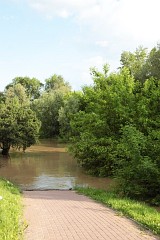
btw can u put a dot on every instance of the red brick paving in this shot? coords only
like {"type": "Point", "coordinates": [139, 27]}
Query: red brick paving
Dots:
{"type": "Point", "coordinates": [65, 215]}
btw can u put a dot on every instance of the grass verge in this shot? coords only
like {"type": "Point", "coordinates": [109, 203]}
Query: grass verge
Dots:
{"type": "Point", "coordinates": [140, 212]}
{"type": "Point", "coordinates": [10, 211]}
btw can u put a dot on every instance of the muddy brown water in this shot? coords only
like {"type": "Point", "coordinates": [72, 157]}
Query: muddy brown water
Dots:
{"type": "Point", "coordinates": [46, 166]}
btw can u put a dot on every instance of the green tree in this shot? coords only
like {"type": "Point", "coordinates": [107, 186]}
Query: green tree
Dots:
{"type": "Point", "coordinates": [135, 62]}
{"type": "Point", "coordinates": [32, 86]}
{"type": "Point", "coordinates": [118, 132]}
{"type": "Point", "coordinates": [73, 103]}
{"type": "Point", "coordinates": [56, 82]}
{"type": "Point", "coordinates": [142, 63]}
{"type": "Point", "coordinates": [19, 92]}
{"type": "Point", "coordinates": [152, 66]}
{"type": "Point", "coordinates": [19, 126]}
{"type": "Point", "coordinates": [47, 109]}
{"type": "Point", "coordinates": [137, 172]}
{"type": "Point", "coordinates": [109, 104]}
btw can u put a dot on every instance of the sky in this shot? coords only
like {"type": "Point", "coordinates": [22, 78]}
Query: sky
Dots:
{"type": "Point", "coordinates": [39, 38]}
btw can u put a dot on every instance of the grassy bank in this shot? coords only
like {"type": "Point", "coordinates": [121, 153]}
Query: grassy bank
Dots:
{"type": "Point", "coordinates": [10, 211]}
{"type": "Point", "coordinates": [141, 213]}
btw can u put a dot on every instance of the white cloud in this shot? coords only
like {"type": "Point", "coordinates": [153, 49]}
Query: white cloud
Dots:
{"type": "Point", "coordinates": [124, 18]}
{"type": "Point", "coordinates": [139, 19]}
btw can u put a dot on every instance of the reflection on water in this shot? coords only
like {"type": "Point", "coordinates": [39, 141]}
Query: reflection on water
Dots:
{"type": "Point", "coordinates": [47, 165]}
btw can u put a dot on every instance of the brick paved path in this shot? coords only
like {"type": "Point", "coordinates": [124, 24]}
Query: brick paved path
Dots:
{"type": "Point", "coordinates": [65, 215]}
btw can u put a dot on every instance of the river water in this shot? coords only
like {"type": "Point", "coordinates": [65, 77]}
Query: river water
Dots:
{"type": "Point", "coordinates": [45, 166]}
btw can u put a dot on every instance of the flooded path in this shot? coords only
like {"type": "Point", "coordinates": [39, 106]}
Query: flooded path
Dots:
{"type": "Point", "coordinates": [45, 166]}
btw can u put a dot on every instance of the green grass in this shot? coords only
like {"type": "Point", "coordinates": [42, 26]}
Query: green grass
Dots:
{"type": "Point", "coordinates": [10, 211]}
{"type": "Point", "coordinates": [140, 212]}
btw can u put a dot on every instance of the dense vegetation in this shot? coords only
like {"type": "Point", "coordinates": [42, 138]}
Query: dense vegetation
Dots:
{"type": "Point", "coordinates": [11, 226]}
{"type": "Point", "coordinates": [113, 126]}
{"type": "Point", "coordinates": [118, 131]}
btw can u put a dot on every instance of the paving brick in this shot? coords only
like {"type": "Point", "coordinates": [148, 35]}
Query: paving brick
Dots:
{"type": "Point", "coordinates": [66, 215]}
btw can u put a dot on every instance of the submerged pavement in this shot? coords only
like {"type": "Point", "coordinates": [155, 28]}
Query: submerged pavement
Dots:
{"type": "Point", "coordinates": [66, 215]}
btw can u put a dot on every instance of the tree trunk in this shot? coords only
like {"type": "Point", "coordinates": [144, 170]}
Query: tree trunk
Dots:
{"type": "Point", "coordinates": [5, 149]}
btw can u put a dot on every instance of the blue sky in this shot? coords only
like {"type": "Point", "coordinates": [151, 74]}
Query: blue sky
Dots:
{"type": "Point", "coordinates": [39, 38]}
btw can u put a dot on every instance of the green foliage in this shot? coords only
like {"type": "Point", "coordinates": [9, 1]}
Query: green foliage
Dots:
{"type": "Point", "coordinates": [135, 62]}
{"type": "Point", "coordinates": [72, 104]}
{"type": "Point", "coordinates": [153, 64]}
{"type": "Point", "coordinates": [32, 86]}
{"type": "Point", "coordinates": [47, 109]}
{"type": "Point", "coordinates": [18, 92]}
{"type": "Point", "coordinates": [142, 64]}
{"type": "Point", "coordinates": [48, 105]}
{"type": "Point", "coordinates": [138, 175]}
{"type": "Point", "coordinates": [19, 126]}
{"type": "Point", "coordinates": [118, 130]}
{"type": "Point", "coordinates": [96, 129]}
{"type": "Point", "coordinates": [2, 98]}
{"type": "Point", "coordinates": [11, 227]}
{"type": "Point", "coordinates": [56, 82]}
{"type": "Point", "coordinates": [140, 212]}
{"type": "Point", "coordinates": [94, 154]}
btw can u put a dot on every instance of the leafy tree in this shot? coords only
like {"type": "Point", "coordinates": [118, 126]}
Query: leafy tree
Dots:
{"type": "Point", "coordinates": [47, 109]}
{"type": "Point", "coordinates": [95, 131]}
{"type": "Point", "coordinates": [19, 92]}
{"type": "Point", "coordinates": [73, 103]}
{"type": "Point", "coordinates": [118, 132]}
{"type": "Point", "coordinates": [142, 63]}
{"type": "Point", "coordinates": [138, 175]}
{"type": "Point", "coordinates": [56, 82]}
{"type": "Point", "coordinates": [152, 66]}
{"type": "Point", "coordinates": [135, 62]}
{"type": "Point", "coordinates": [32, 86]}
{"type": "Point", "coordinates": [19, 126]}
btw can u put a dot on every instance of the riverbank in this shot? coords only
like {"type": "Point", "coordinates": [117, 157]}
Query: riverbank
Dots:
{"type": "Point", "coordinates": [10, 211]}
{"type": "Point", "coordinates": [140, 212]}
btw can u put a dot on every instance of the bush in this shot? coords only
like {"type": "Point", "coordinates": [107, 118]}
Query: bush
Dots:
{"type": "Point", "coordinates": [138, 175]}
